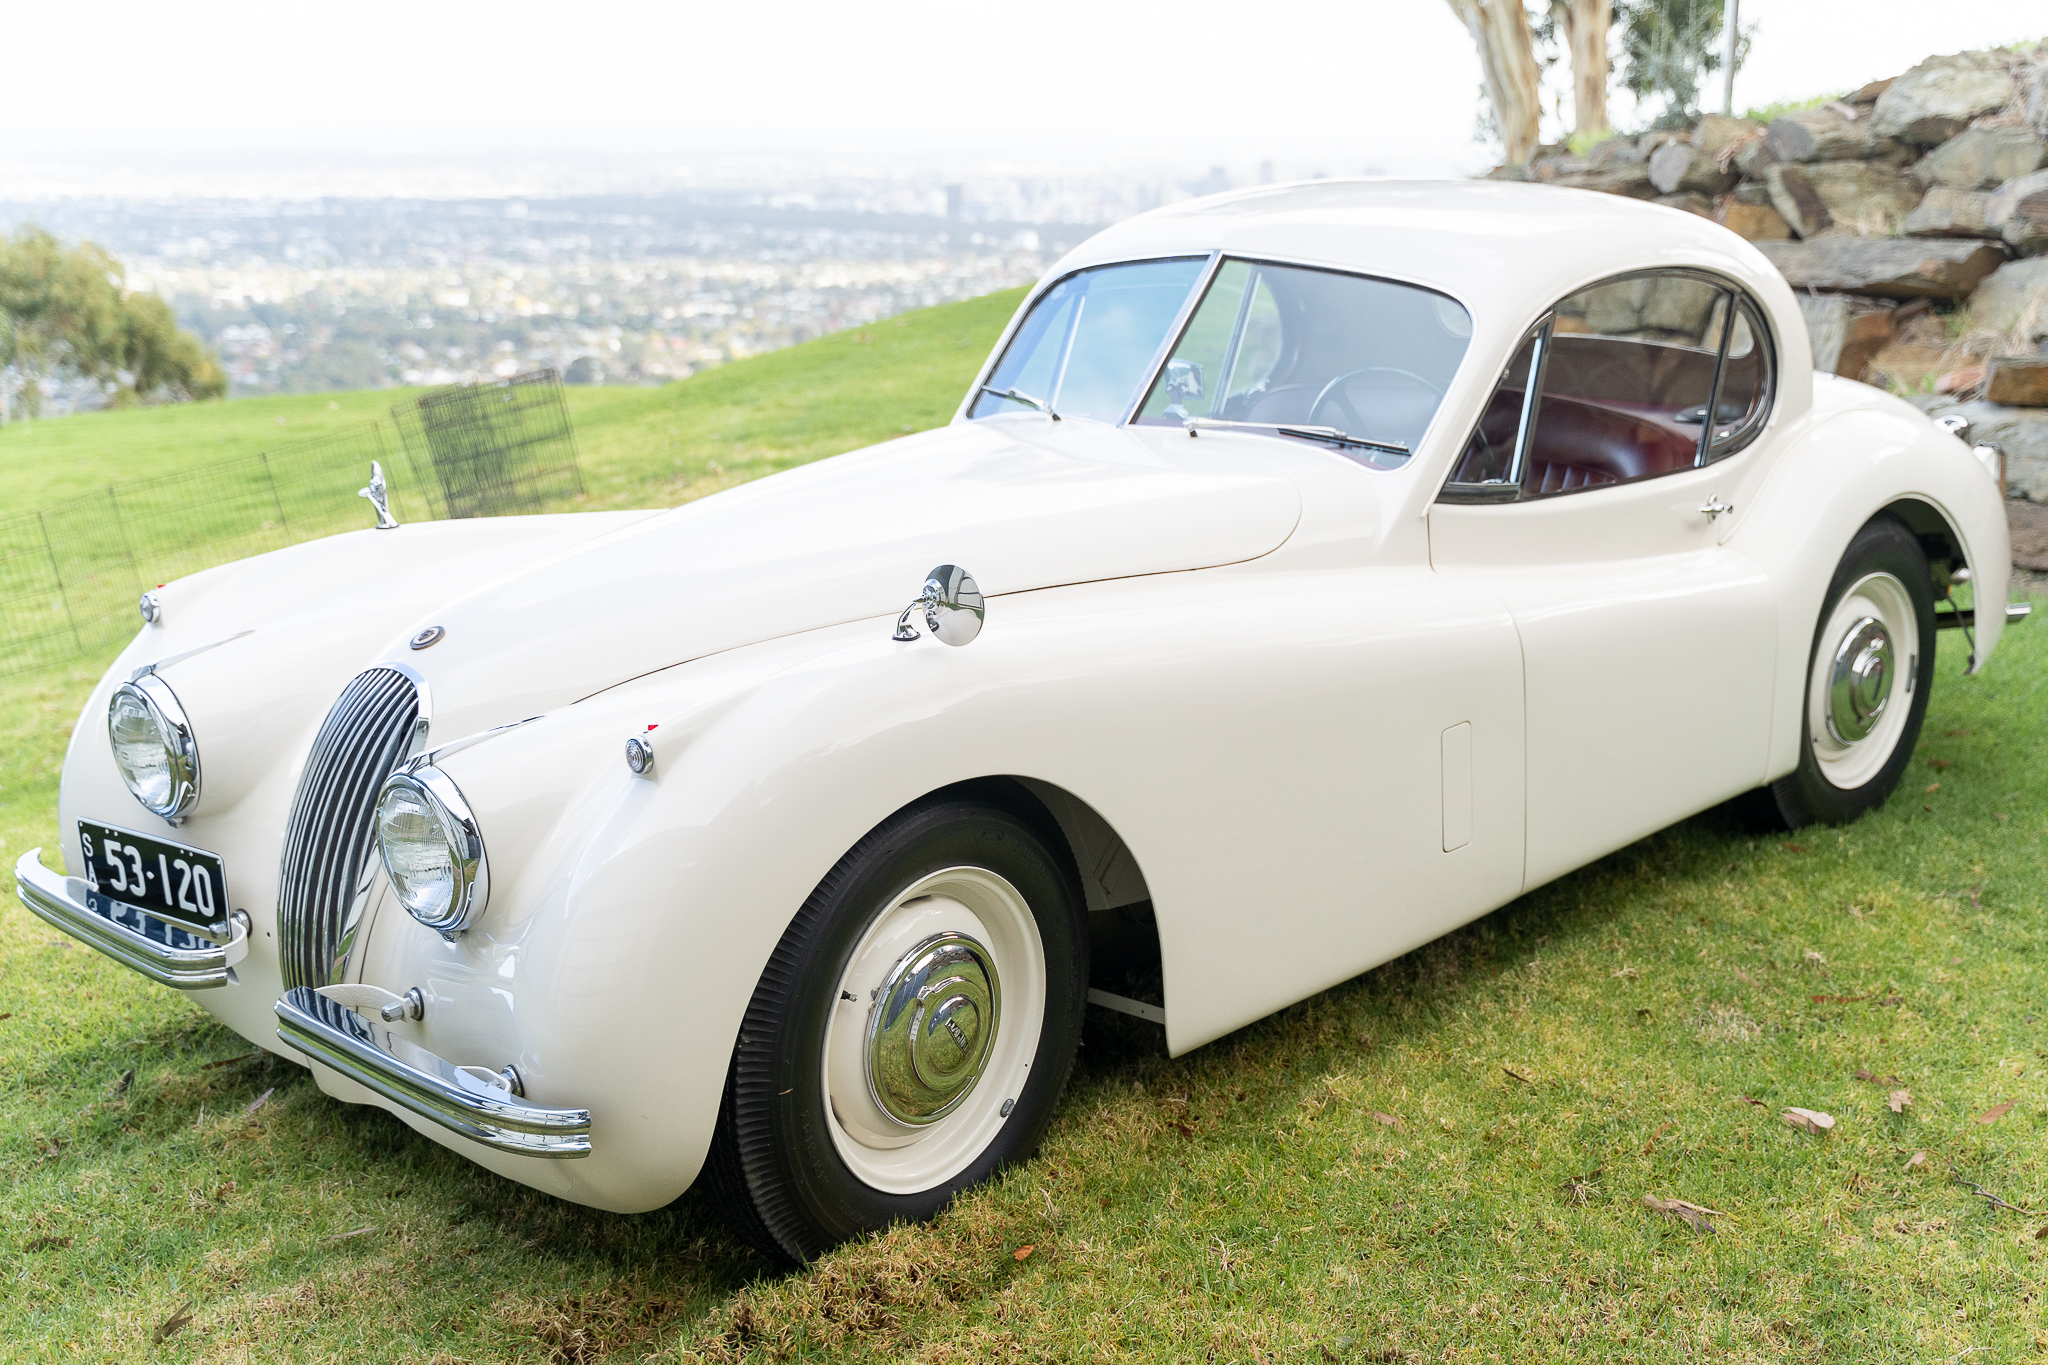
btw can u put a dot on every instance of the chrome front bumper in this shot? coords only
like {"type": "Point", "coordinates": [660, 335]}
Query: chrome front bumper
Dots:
{"type": "Point", "coordinates": [458, 1098]}
{"type": "Point", "coordinates": [62, 901]}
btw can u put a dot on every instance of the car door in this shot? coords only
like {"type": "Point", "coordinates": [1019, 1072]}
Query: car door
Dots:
{"type": "Point", "coordinates": [1592, 499]}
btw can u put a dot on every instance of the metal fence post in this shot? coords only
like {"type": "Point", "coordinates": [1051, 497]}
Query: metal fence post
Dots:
{"type": "Point", "coordinates": [127, 547]}
{"type": "Point", "coordinates": [58, 574]}
{"type": "Point", "coordinates": [276, 501]}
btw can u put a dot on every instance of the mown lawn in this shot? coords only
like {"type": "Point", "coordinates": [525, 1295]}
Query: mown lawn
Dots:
{"type": "Point", "coordinates": [1445, 1159]}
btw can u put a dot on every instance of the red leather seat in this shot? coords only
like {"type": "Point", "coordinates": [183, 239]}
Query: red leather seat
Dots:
{"type": "Point", "coordinates": [1580, 444]}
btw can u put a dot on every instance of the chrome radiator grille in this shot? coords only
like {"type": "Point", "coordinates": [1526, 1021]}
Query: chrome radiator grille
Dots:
{"type": "Point", "coordinates": [330, 838]}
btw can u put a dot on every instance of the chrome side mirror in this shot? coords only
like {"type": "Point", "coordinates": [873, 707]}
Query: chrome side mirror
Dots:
{"type": "Point", "coordinates": [951, 605]}
{"type": "Point", "coordinates": [1183, 380]}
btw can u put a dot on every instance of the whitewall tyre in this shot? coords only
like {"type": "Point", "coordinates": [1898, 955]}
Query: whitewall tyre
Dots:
{"type": "Point", "coordinates": [1867, 682]}
{"type": "Point", "coordinates": [911, 1034]}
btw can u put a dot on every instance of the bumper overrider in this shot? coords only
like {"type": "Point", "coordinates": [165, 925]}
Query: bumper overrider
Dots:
{"type": "Point", "coordinates": [178, 958]}
{"type": "Point", "coordinates": [465, 1100]}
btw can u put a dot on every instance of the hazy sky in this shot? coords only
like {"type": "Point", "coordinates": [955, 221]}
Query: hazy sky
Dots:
{"type": "Point", "coordinates": [1388, 84]}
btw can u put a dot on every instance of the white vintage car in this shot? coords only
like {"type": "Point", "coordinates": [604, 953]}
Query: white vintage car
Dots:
{"type": "Point", "coordinates": [1321, 567]}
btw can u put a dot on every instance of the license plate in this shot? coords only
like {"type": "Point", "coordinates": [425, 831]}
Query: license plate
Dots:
{"type": "Point", "coordinates": [186, 888]}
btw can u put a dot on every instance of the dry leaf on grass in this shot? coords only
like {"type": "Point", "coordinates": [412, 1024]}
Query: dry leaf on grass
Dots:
{"type": "Point", "coordinates": [257, 1103]}
{"type": "Point", "coordinates": [1812, 1120]}
{"type": "Point", "coordinates": [1692, 1215]}
{"type": "Point", "coordinates": [353, 1232]}
{"type": "Point", "coordinates": [1023, 1252]}
{"type": "Point", "coordinates": [1649, 1146]}
{"type": "Point", "coordinates": [1389, 1120]}
{"type": "Point", "coordinates": [1751, 1099]}
{"type": "Point", "coordinates": [1900, 1101]}
{"type": "Point", "coordinates": [1996, 1112]}
{"type": "Point", "coordinates": [170, 1326]}
{"type": "Point", "coordinates": [1515, 1075]}
{"type": "Point", "coordinates": [1795, 848]}
{"type": "Point", "coordinates": [1933, 787]}
{"type": "Point", "coordinates": [1917, 1159]}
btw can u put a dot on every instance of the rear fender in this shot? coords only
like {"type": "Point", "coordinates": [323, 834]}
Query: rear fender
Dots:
{"type": "Point", "coordinates": [1844, 470]}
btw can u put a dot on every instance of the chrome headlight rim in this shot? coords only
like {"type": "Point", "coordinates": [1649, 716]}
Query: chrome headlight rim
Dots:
{"type": "Point", "coordinates": [181, 747]}
{"type": "Point", "coordinates": [471, 889]}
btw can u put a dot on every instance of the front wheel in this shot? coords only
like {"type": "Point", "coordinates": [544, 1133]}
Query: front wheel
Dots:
{"type": "Point", "coordinates": [1867, 682]}
{"type": "Point", "coordinates": [910, 1036]}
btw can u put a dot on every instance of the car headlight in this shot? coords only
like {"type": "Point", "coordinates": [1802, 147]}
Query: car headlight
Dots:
{"type": "Point", "coordinates": [432, 850]}
{"type": "Point", "coordinates": [153, 746]}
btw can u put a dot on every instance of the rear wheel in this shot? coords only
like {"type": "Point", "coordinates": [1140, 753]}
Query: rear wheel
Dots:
{"type": "Point", "coordinates": [1867, 683]}
{"type": "Point", "coordinates": [910, 1036]}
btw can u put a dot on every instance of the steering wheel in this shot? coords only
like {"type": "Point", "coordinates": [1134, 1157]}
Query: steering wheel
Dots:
{"type": "Point", "coordinates": [1330, 394]}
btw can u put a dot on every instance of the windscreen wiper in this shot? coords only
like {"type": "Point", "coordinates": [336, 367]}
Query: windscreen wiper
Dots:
{"type": "Point", "coordinates": [1024, 398]}
{"type": "Point", "coordinates": [1312, 433]}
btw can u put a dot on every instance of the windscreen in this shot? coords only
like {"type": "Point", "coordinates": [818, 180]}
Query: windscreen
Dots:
{"type": "Point", "coordinates": [1090, 340]}
{"type": "Point", "coordinates": [1290, 347]}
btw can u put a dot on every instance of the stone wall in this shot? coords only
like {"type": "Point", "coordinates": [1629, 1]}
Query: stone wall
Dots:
{"type": "Point", "coordinates": [1912, 219]}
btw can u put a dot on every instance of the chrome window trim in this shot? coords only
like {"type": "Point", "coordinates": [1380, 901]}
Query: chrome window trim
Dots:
{"type": "Point", "coordinates": [1763, 327]}
{"type": "Point", "coordinates": [1760, 327]}
{"type": "Point", "coordinates": [472, 871]}
{"type": "Point", "coordinates": [161, 702]}
{"type": "Point", "coordinates": [1196, 293]}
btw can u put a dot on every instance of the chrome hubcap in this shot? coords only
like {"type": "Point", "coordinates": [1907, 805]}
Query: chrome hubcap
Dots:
{"type": "Point", "coordinates": [931, 1028]}
{"type": "Point", "coordinates": [1861, 681]}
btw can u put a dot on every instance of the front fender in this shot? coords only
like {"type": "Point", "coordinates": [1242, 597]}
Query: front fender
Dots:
{"type": "Point", "coordinates": [631, 917]}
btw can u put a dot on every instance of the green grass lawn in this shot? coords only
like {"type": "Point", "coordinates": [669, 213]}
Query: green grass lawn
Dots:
{"type": "Point", "coordinates": [1445, 1159]}
{"type": "Point", "coordinates": [640, 447]}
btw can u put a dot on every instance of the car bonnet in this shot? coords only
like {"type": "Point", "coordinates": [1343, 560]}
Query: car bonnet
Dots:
{"type": "Point", "coordinates": [1021, 502]}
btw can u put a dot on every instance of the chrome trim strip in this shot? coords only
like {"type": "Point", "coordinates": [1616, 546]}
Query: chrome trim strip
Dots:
{"type": "Point", "coordinates": [422, 1083]}
{"type": "Point", "coordinates": [61, 901]}
{"type": "Point", "coordinates": [166, 662]}
{"type": "Point", "coordinates": [428, 757]}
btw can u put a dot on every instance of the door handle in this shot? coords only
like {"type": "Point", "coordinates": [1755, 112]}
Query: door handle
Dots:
{"type": "Point", "coordinates": [1714, 507]}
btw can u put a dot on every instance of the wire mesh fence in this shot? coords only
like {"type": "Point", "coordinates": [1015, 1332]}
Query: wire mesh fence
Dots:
{"type": "Point", "coordinates": [494, 449]}
{"type": "Point", "coordinates": [71, 573]}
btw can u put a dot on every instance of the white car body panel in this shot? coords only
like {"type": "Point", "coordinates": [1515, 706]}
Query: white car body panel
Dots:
{"type": "Point", "coordinates": [1326, 717]}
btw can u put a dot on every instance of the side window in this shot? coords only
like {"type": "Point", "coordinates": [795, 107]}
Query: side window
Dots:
{"type": "Point", "coordinates": [1623, 374]}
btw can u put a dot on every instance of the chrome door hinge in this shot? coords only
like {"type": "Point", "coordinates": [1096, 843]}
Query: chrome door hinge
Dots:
{"type": "Point", "coordinates": [1714, 507]}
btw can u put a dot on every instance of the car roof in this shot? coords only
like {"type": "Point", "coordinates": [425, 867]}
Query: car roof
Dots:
{"type": "Point", "coordinates": [1505, 250]}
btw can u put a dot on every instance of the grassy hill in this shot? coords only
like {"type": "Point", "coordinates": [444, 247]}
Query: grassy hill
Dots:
{"type": "Point", "coordinates": [640, 447]}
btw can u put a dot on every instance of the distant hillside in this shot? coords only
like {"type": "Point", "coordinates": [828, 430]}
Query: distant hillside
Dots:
{"type": "Point", "coordinates": [640, 447]}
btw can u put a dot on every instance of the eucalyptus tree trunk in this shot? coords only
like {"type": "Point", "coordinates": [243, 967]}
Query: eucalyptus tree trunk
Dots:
{"type": "Point", "coordinates": [1584, 24]}
{"type": "Point", "coordinates": [1507, 59]}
